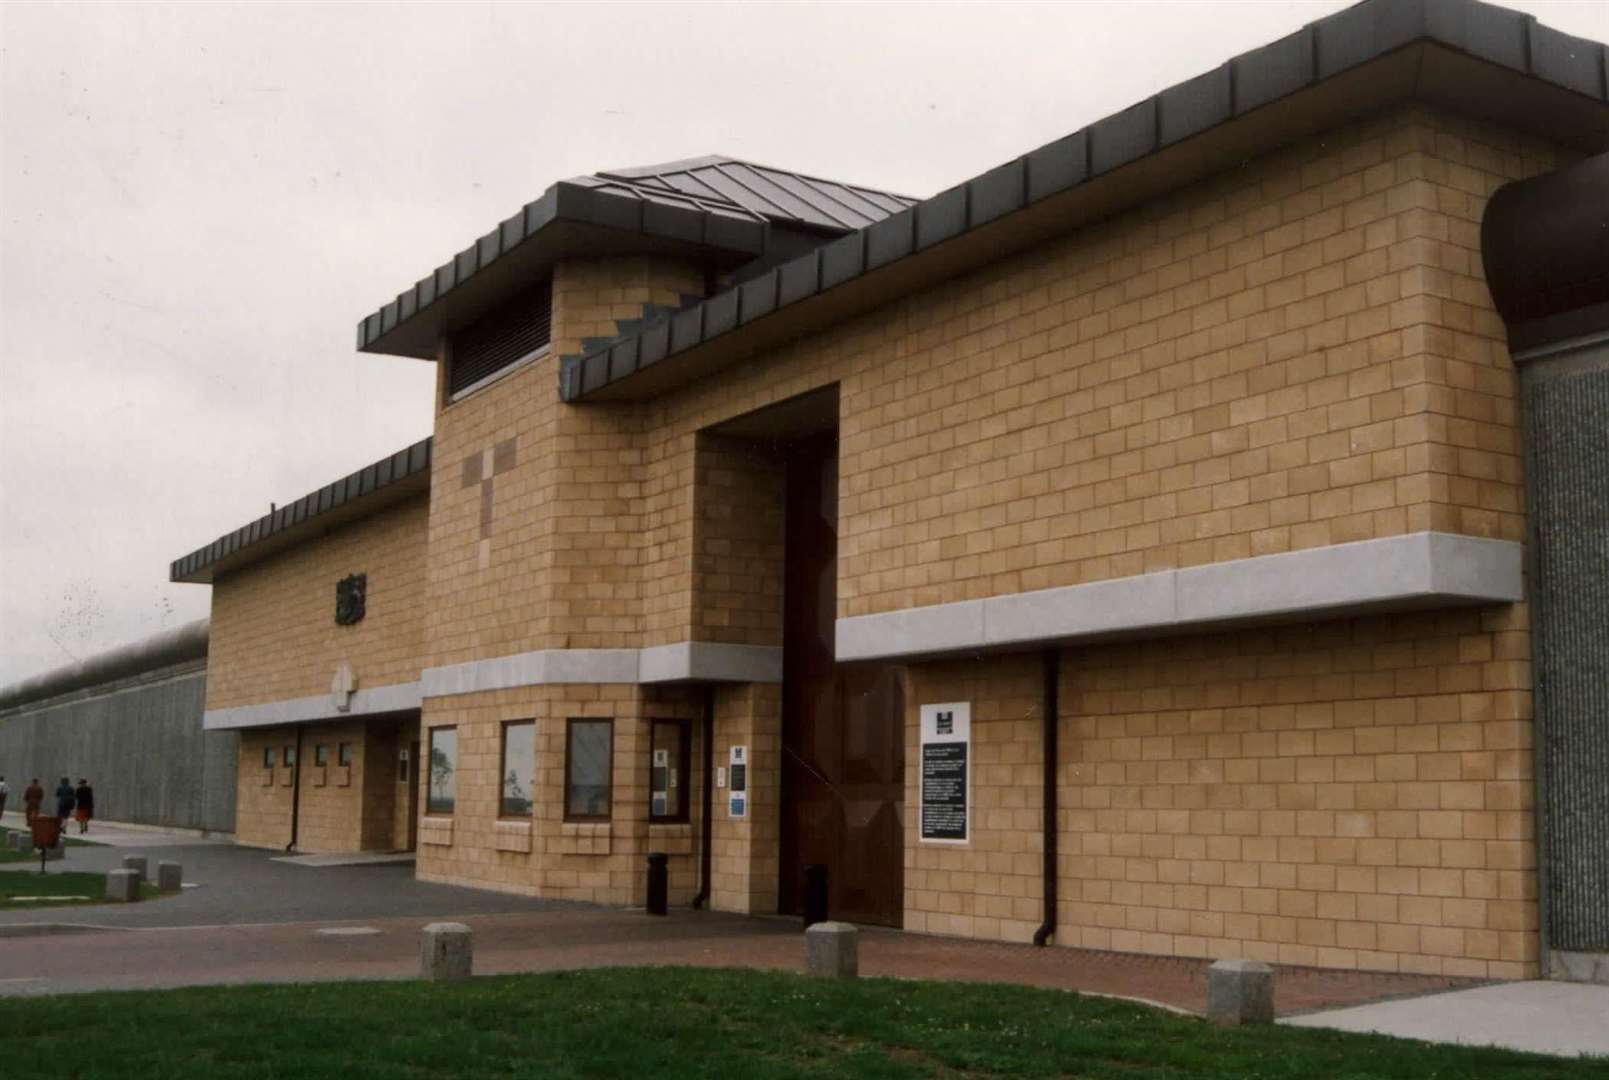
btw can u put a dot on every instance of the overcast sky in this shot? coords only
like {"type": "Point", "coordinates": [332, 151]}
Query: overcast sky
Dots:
{"type": "Point", "coordinates": [198, 202]}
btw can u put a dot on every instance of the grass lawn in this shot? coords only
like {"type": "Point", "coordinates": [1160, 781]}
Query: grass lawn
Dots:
{"type": "Point", "coordinates": [24, 883]}
{"type": "Point", "coordinates": [679, 1022]}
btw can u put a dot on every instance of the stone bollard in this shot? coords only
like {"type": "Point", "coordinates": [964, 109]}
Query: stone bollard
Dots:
{"type": "Point", "coordinates": [831, 950]}
{"type": "Point", "coordinates": [1240, 992]}
{"type": "Point", "coordinates": [169, 876]}
{"type": "Point", "coordinates": [446, 951]}
{"type": "Point", "coordinates": [21, 841]}
{"type": "Point", "coordinates": [135, 862]}
{"type": "Point", "coordinates": [122, 886]}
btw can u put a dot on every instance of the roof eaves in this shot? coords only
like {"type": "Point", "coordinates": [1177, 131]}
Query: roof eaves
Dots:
{"type": "Point", "coordinates": [615, 207]}
{"type": "Point", "coordinates": [1338, 43]}
{"type": "Point", "coordinates": [370, 480]}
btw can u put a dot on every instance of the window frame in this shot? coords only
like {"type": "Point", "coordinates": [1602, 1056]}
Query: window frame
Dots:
{"type": "Point", "coordinates": [343, 754]}
{"type": "Point", "coordinates": [321, 755]}
{"type": "Point", "coordinates": [609, 770]}
{"type": "Point", "coordinates": [503, 812]}
{"type": "Point", "coordinates": [684, 766]}
{"type": "Point", "coordinates": [270, 756]}
{"type": "Point", "coordinates": [287, 755]}
{"type": "Point", "coordinates": [431, 809]}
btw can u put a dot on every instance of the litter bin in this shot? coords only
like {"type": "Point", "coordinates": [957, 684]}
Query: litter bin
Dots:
{"type": "Point", "coordinates": [46, 832]}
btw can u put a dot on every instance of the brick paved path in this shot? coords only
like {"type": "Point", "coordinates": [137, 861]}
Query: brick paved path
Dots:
{"type": "Point", "coordinates": [592, 937]}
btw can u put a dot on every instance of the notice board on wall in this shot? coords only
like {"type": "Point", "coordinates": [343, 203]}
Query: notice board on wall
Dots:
{"type": "Point", "coordinates": [946, 777]}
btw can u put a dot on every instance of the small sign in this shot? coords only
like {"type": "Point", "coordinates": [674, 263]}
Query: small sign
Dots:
{"type": "Point", "coordinates": [946, 779]}
{"type": "Point", "coordinates": [737, 803]}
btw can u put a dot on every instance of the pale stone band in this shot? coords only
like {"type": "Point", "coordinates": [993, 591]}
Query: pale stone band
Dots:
{"type": "Point", "coordinates": [1399, 573]}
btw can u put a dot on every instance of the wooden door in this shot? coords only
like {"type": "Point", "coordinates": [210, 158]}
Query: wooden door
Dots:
{"type": "Point", "coordinates": [843, 758]}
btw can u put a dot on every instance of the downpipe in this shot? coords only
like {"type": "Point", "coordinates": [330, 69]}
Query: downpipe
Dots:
{"type": "Point", "coordinates": [1050, 712]}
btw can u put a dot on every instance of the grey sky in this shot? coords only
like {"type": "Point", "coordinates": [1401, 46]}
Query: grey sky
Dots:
{"type": "Point", "coordinates": [197, 204]}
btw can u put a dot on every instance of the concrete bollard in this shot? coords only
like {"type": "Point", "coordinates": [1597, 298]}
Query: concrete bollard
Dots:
{"type": "Point", "coordinates": [21, 841]}
{"type": "Point", "coordinates": [135, 862]}
{"type": "Point", "coordinates": [169, 876]}
{"type": "Point", "coordinates": [1240, 992]}
{"type": "Point", "coordinates": [831, 950]}
{"type": "Point", "coordinates": [446, 951]}
{"type": "Point", "coordinates": [122, 886]}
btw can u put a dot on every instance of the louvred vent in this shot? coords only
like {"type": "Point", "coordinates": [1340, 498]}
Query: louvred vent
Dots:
{"type": "Point", "coordinates": [502, 338]}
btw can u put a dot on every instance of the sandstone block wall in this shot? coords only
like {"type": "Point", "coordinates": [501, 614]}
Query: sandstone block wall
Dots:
{"type": "Point", "coordinates": [274, 635]}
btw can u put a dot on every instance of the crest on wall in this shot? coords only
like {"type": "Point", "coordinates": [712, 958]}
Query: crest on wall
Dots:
{"type": "Point", "coordinates": [349, 593]}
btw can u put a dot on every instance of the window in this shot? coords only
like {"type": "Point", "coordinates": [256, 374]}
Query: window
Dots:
{"type": "Point", "coordinates": [403, 770]}
{"type": "Point", "coordinates": [343, 754]}
{"type": "Point", "coordinates": [668, 771]}
{"type": "Point", "coordinates": [268, 757]}
{"type": "Point", "coordinates": [443, 790]}
{"type": "Point", "coordinates": [321, 755]}
{"type": "Point", "coordinates": [287, 756]}
{"type": "Point", "coordinates": [519, 769]}
{"type": "Point", "coordinates": [515, 332]}
{"type": "Point", "coordinates": [588, 760]}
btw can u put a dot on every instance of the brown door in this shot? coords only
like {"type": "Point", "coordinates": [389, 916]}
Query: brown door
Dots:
{"type": "Point", "coordinates": [843, 767]}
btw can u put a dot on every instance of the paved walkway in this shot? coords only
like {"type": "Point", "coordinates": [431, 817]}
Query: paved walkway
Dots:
{"type": "Point", "coordinates": [1544, 1017]}
{"type": "Point", "coordinates": [52, 960]}
{"type": "Point", "coordinates": [114, 834]}
{"type": "Point", "coordinates": [235, 886]}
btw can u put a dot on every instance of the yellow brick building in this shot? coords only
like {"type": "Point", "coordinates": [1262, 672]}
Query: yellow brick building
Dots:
{"type": "Point", "coordinates": [1140, 546]}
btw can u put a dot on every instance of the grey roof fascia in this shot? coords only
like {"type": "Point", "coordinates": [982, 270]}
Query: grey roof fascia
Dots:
{"type": "Point", "coordinates": [739, 236]}
{"type": "Point", "coordinates": [377, 484]}
{"type": "Point", "coordinates": [1259, 79]}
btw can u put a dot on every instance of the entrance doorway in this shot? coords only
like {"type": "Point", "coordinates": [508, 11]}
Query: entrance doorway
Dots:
{"type": "Point", "coordinates": [843, 743]}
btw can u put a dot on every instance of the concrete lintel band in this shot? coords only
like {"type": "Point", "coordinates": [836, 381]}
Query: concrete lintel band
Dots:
{"type": "Point", "coordinates": [681, 662]}
{"type": "Point", "coordinates": [1416, 571]}
{"type": "Point", "coordinates": [379, 699]}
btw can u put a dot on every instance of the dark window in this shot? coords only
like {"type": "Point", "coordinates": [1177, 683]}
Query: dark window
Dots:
{"type": "Point", "coordinates": [501, 339]}
{"type": "Point", "coordinates": [667, 771]}
{"type": "Point", "coordinates": [403, 768]}
{"type": "Point", "coordinates": [443, 791]}
{"type": "Point", "coordinates": [589, 758]}
{"type": "Point", "coordinates": [519, 769]}
{"type": "Point", "coordinates": [321, 755]}
{"type": "Point", "coordinates": [268, 757]}
{"type": "Point", "coordinates": [287, 756]}
{"type": "Point", "coordinates": [343, 754]}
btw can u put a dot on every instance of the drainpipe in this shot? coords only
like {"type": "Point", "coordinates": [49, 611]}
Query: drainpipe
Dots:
{"type": "Point", "coordinates": [1051, 710]}
{"type": "Point", "coordinates": [296, 791]}
{"type": "Point", "coordinates": [707, 821]}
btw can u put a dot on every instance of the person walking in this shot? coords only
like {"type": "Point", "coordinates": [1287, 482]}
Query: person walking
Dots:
{"type": "Point", "coordinates": [85, 798]}
{"type": "Point", "coordinates": [5, 793]}
{"type": "Point", "coordinates": [65, 799]}
{"type": "Point", "coordinates": [33, 796]}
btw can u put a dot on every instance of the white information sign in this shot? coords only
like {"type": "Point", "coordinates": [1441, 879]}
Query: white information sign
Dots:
{"type": "Point", "coordinates": [946, 773]}
{"type": "Point", "coordinates": [737, 796]}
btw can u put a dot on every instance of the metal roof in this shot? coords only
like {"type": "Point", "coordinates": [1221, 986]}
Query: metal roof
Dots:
{"type": "Point", "coordinates": [774, 195]}
{"type": "Point", "coordinates": [1482, 55]}
{"type": "Point", "coordinates": [715, 207]}
{"type": "Point", "coordinates": [369, 489]}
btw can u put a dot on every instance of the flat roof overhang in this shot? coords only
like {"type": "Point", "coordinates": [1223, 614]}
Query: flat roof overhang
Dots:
{"type": "Point", "coordinates": [1490, 63]}
{"type": "Point", "coordinates": [371, 489]}
{"type": "Point", "coordinates": [568, 220]}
